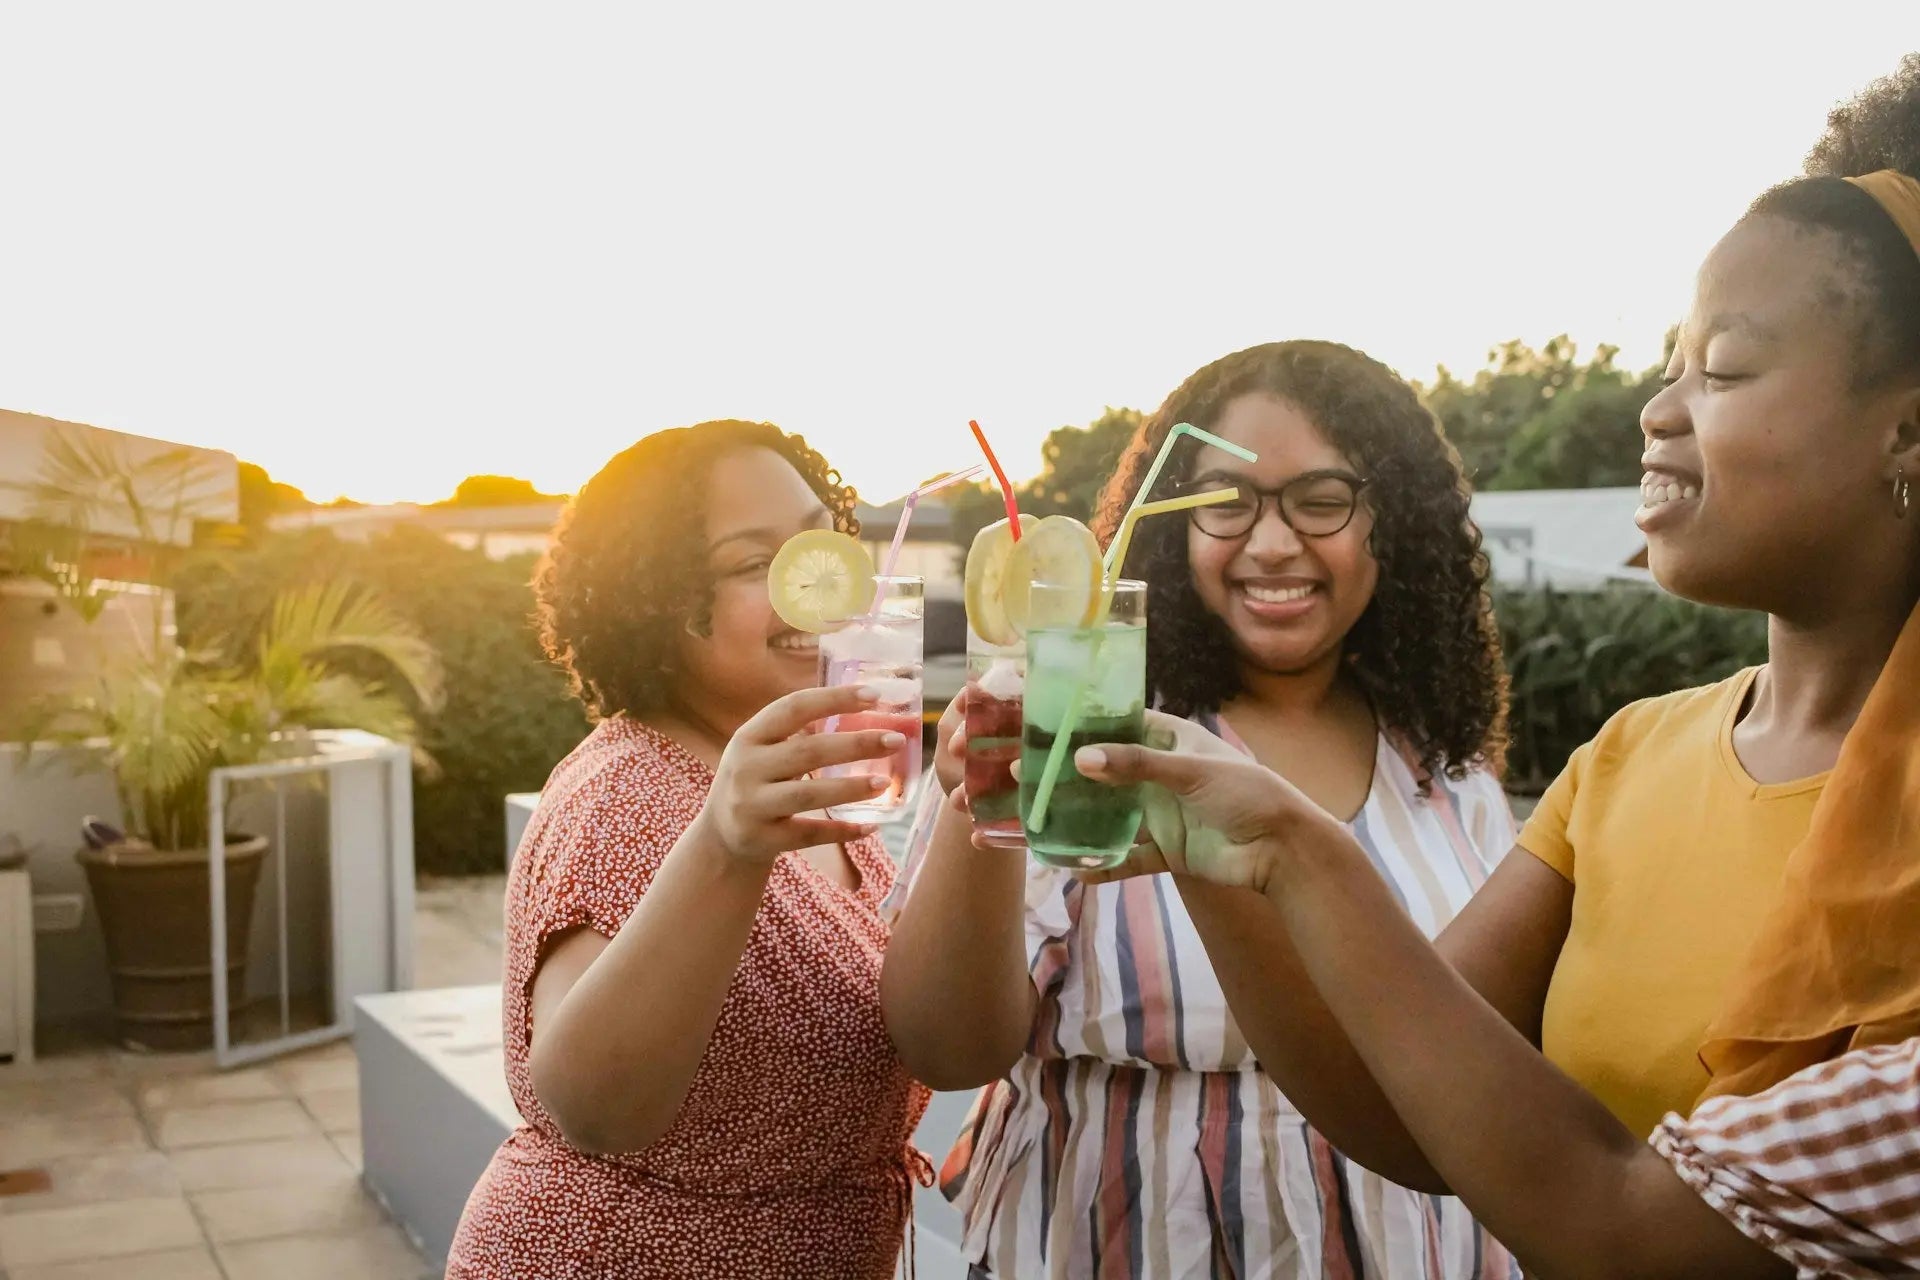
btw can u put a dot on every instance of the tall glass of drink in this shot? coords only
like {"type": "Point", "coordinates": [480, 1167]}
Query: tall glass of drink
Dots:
{"type": "Point", "coordinates": [996, 684]}
{"type": "Point", "coordinates": [883, 648]}
{"type": "Point", "coordinates": [1091, 681]}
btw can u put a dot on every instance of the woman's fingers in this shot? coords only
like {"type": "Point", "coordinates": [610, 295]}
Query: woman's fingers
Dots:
{"type": "Point", "coordinates": [805, 752]}
{"type": "Point", "coordinates": [1121, 763]}
{"type": "Point", "coordinates": [786, 716]}
{"type": "Point", "coordinates": [804, 833]}
{"type": "Point", "coordinates": [788, 799]}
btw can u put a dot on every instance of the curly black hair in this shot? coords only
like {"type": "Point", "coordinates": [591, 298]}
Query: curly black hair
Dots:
{"type": "Point", "coordinates": [1879, 129]}
{"type": "Point", "coordinates": [1426, 650]}
{"type": "Point", "coordinates": [627, 568]}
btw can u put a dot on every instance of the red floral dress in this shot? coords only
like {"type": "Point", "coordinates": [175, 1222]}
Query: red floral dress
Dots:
{"type": "Point", "coordinates": [790, 1155]}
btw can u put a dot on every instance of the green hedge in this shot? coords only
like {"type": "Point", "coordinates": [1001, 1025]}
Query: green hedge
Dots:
{"type": "Point", "coordinates": [508, 717]}
{"type": "Point", "coordinates": [1576, 658]}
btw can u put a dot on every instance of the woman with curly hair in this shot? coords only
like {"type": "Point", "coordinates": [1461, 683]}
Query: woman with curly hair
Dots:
{"type": "Point", "coordinates": [1710, 933]}
{"type": "Point", "coordinates": [692, 1013]}
{"type": "Point", "coordinates": [1333, 624]}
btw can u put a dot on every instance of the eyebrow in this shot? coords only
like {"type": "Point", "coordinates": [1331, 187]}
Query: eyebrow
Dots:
{"type": "Point", "coordinates": [767, 535]}
{"type": "Point", "coordinates": [1728, 321]}
{"type": "Point", "coordinates": [1222, 475]}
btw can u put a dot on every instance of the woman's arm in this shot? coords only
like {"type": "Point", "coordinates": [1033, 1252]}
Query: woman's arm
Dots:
{"type": "Point", "coordinates": [1505, 943]}
{"type": "Point", "coordinates": [1538, 1160]}
{"type": "Point", "coordinates": [620, 1025]}
{"type": "Point", "coordinates": [955, 989]}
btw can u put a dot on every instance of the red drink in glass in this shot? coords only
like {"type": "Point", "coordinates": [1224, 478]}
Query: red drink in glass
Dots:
{"type": "Point", "coordinates": [996, 685]}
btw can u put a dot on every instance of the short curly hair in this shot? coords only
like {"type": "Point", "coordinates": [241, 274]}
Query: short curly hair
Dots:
{"type": "Point", "coordinates": [627, 567]}
{"type": "Point", "coordinates": [1426, 650]}
{"type": "Point", "coordinates": [1879, 129]}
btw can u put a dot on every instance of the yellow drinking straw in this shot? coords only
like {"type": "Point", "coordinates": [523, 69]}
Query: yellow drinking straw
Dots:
{"type": "Point", "coordinates": [1115, 560]}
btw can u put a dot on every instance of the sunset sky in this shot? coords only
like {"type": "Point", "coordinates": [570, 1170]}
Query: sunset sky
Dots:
{"type": "Point", "coordinates": [378, 247]}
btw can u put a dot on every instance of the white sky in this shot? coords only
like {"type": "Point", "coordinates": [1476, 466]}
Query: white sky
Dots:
{"type": "Point", "coordinates": [378, 247]}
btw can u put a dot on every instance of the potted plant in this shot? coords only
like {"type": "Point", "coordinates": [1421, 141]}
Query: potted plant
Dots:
{"type": "Point", "coordinates": [161, 720]}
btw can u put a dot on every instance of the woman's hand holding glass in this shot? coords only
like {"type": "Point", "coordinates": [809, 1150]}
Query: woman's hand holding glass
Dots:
{"type": "Point", "coordinates": [764, 803]}
{"type": "Point", "coordinates": [1211, 812]}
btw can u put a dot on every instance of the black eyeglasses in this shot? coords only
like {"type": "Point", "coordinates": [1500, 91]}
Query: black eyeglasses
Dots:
{"type": "Point", "coordinates": [1315, 504]}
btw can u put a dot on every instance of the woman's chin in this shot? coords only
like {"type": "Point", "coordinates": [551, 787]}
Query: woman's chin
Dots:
{"type": "Point", "coordinates": [1287, 660]}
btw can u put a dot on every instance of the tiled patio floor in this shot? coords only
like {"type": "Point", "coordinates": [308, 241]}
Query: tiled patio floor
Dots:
{"type": "Point", "coordinates": [162, 1168]}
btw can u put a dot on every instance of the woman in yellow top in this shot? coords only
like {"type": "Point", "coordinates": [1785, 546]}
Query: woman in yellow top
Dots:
{"type": "Point", "coordinates": [1702, 908]}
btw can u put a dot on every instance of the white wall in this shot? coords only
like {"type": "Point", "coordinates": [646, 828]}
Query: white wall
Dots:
{"type": "Point", "coordinates": [211, 488]}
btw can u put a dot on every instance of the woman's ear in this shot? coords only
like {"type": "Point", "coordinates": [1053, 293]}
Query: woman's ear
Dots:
{"type": "Point", "coordinates": [1903, 449]}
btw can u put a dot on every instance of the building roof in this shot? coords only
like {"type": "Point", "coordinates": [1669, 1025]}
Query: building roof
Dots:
{"type": "Point", "coordinates": [932, 520]}
{"type": "Point", "coordinates": [533, 517]}
{"type": "Point", "coordinates": [1573, 538]}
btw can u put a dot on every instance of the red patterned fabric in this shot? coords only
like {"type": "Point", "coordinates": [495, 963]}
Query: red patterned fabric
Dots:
{"type": "Point", "coordinates": [790, 1154]}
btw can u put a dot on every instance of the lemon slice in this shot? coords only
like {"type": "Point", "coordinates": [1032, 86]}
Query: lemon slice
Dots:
{"type": "Point", "coordinates": [987, 578]}
{"type": "Point", "coordinates": [819, 578]}
{"type": "Point", "coordinates": [1061, 552]}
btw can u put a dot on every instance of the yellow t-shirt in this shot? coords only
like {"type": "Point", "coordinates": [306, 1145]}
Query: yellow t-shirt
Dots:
{"type": "Point", "coordinates": [1675, 854]}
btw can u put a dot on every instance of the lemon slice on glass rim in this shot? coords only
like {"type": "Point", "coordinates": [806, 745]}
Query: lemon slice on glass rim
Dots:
{"type": "Point", "coordinates": [1061, 552]}
{"type": "Point", "coordinates": [986, 580]}
{"type": "Point", "coordinates": [819, 579]}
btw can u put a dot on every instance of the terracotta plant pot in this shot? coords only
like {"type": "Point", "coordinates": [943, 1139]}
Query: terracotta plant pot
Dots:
{"type": "Point", "coordinates": [155, 916]}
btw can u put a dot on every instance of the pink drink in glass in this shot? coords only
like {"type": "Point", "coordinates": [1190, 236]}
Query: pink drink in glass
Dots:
{"type": "Point", "coordinates": [884, 650]}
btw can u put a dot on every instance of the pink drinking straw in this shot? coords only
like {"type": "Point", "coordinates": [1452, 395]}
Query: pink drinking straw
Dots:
{"type": "Point", "coordinates": [1006, 490]}
{"type": "Point", "coordinates": [906, 513]}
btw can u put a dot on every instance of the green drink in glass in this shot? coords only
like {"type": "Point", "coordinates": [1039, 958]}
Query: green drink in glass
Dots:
{"type": "Point", "coordinates": [1093, 681]}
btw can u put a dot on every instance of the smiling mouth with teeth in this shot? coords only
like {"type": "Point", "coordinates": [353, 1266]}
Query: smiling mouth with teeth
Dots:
{"type": "Point", "coordinates": [1659, 489]}
{"type": "Point", "coordinates": [796, 642]}
{"type": "Point", "coordinates": [1276, 595]}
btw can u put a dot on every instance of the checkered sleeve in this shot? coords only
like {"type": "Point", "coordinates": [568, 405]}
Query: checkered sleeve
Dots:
{"type": "Point", "coordinates": [1823, 1169]}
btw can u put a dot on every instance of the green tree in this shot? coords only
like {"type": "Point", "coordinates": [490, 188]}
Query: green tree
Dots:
{"type": "Point", "coordinates": [1482, 416]}
{"type": "Point", "coordinates": [1075, 464]}
{"type": "Point", "coordinates": [262, 498]}
{"type": "Point", "coordinates": [1545, 419]}
{"type": "Point", "coordinates": [497, 491]}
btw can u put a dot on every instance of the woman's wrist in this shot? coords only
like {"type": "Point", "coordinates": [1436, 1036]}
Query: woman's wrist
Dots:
{"type": "Point", "coordinates": [1298, 845]}
{"type": "Point", "coordinates": [702, 845]}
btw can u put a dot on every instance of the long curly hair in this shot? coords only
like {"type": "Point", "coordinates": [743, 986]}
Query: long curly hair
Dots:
{"type": "Point", "coordinates": [1426, 651]}
{"type": "Point", "coordinates": [626, 571]}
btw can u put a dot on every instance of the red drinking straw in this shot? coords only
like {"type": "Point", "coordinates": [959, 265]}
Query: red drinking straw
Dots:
{"type": "Point", "coordinates": [1006, 490]}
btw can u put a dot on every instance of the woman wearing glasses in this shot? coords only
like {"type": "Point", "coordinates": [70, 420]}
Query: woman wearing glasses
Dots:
{"type": "Point", "coordinates": [1333, 624]}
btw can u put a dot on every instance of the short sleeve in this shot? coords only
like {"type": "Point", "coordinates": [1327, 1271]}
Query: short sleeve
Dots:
{"type": "Point", "coordinates": [1545, 835]}
{"type": "Point", "coordinates": [589, 863]}
{"type": "Point", "coordinates": [1816, 1168]}
{"type": "Point", "coordinates": [1487, 815]}
{"type": "Point", "coordinates": [1052, 899]}
{"type": "Point", "coordinates": [589, 855]}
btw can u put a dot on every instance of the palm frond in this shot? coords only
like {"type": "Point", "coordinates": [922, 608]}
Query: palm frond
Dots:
{"type": "Point", "coordinates": [336, 617]}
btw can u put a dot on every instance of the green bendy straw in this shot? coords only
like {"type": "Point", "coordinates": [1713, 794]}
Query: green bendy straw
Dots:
{"type": "Point", "coordinates": [1115, 560]}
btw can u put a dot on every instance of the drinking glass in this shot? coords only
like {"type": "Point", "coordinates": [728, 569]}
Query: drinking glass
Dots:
{"type": "Point", "coordinates": [1095, 677]}
{"type": "Point", "coordinates": [996, 685]}
{"type": "Point", "coordinates": [883, 648]}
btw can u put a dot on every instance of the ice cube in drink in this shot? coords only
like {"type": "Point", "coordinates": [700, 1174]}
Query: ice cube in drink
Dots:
{"type": "Point", "coordinates": [882, 650]}
{"type": "Point", "coordinates": [1094, 676]}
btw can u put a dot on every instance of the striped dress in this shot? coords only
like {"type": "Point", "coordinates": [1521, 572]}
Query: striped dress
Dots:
{"type": "Point", "coordinates": [1138, 1138]}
